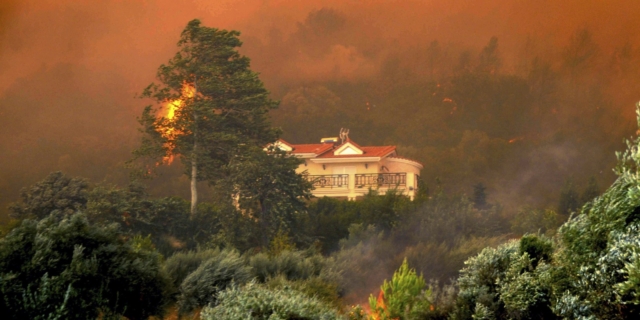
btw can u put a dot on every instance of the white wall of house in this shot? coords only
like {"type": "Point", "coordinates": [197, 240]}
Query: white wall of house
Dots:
{"type": "Point", "coordinates": [351, 191]}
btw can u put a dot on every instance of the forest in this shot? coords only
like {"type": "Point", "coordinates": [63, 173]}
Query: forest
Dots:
{"type": "Point", "coordinates": [527, 207]}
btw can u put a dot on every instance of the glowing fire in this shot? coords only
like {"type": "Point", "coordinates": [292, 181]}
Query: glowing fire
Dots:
{"type": "Point", "coordinates": [516, 139]}
{"type": "Point", "coordinates": [380, 311]}
{"type": "Point", "coordinates": [382, 307]}
{"type": "Point", "coordinates": [171, 107]}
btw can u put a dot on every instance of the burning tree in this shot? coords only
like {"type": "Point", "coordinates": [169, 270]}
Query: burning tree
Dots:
{"type": "Point", "coordinates": [215, 108]}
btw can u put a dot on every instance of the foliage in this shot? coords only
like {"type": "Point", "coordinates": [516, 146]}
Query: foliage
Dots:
{"type": "Point", "coordinates": [76, 270]}
{"type": "Point", "coordinates": [404, 297]}
{"type": "Point", "coordinates": [436, 234]}
{"type": "Point", "coordinates": [363, 260]}
{"type": "Point", "coordinates": [181, 264]}
{"type": "Point", "coordinates": [329, 219]}
{"type": "Point", "coordinates": [168, 221]}
{"type": "Point", "coordinates": [269, 189]}
{"type": "Point", "coordinates": [57, 193]}
{"type": "Point", "coordinates": [10, 225]}
{"type": "Point", "coordinates": [137, 214]}
{"type": "Point", "coordinates": [511, 281]}
{"type": "Point", "coordinates": [598, 257]}
{"type": "Point", "coordinates": [224, 106]}
{"type": "Point", "coordinates": [591, 272]}
{"type": "Point", "coordinates": [443, 263]}
{"type": "Point", "coordinates": [279, 243]}
{"type": "Point", "coordinates": [294, 265]}
{"type": "Point", "coordinates": [599, 254]}
{"type": "Point", "coordinates": [257, 302]}
{"type": "Point", "coordinates": [443, 218]}
{"type": "Point", "coordinates": [202, 286]}
{"type": "Point", "coordinates": [626, 246]}
{"type": "Point", "coordinates": [318, 287]}
{"type": "Point", "coordinates": [356, 313]}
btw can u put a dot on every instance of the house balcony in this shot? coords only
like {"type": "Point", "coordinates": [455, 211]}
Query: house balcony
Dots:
{"type": "Point", "coordinates": [381, 180]}
{"type": "Point", "coordinates": [329, 181]}
{"type": "Point", "coordinates": [354, 185]}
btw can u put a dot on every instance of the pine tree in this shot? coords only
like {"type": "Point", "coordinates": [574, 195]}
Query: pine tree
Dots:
{"type": "Point", "coordinates": [217, 107]}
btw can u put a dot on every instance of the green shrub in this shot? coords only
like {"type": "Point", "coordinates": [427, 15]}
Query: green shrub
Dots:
{"type": "Point", "coordinates": [57, 194]}
{"type": "Point", "coordinates": [316, 287]}
{"type": "Point", "coordinates": [479, 296]}
{"type": "Point", "coordinates": [202, 286]}
{"type": "Point", "coordinates": [181, 264]}
{"type": "Point", "coordinates": [537, 248]}
{"type": "Point", "coordinates": [293, 265]}
{"type": "Point", "coordinates": [512, 281]}
{"type": "Point", "coordinates": [70, 269]}
{"type": "Point", "coordinates": [257, 302]}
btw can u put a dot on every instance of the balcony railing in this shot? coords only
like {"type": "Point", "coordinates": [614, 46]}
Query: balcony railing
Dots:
{"type": "Point", "coordinates": [329, 180]}
{"type": "Point", "coordinates": [388, 180]}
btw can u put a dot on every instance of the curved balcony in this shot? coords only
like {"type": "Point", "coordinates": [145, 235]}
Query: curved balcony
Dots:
{"type": "Point", "coordinates": [381, 180]}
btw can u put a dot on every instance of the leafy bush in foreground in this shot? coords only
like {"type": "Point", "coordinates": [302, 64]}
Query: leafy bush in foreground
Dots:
{"type": "Point", "coordinates": [202, 286]}
{"type": "Point", "coordinates": [507, 282]}
{"type": "Point", "coordinates": [590, 272]}
{"type": "Point", "coordinates": [71, 269]}
{"type": "Point", "coordinates": [181, 264]}
{"type": "Point", "coordinates": [256, 302]}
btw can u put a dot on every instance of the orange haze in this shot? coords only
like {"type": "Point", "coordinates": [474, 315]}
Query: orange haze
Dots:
{"type": "Point", "coordinates": [70, 69]}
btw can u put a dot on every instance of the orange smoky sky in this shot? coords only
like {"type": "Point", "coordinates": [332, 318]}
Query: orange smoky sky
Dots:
{"type": "Point", "coordinates": [132, 38]}
{"type": "Point", "coordinates": [70, 70]}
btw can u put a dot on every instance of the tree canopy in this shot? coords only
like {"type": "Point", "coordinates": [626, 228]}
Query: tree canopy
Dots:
{"type": "Point", "coordinates": [216, 105]}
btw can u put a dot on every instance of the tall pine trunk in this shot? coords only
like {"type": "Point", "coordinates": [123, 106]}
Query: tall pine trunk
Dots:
{"type": "Point", "coordinates": [194, 180]}
{"type": "Point", "coordinates": [194, 155]}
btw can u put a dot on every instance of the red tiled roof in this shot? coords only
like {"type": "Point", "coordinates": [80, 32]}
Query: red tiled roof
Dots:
{"type": "Point", "coordinates": [317, 148]}
{"type": "Point", "coordinates": [367, 152]}
{"type": "Point", "coordinates": [320, 149]}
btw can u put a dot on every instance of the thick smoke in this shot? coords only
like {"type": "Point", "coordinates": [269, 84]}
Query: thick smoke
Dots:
{"type": "Point", "coordinates": [71, 71]}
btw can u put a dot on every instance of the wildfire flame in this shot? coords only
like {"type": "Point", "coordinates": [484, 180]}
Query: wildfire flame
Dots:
{"type": "Point", "coordinates": [381, 309]}
{"type": "Point", "coordinates": [171, 107]}
{"type": "Point", "coordinates": [375, 314]}
{"type": "Point", "coordinates": [516, 139]}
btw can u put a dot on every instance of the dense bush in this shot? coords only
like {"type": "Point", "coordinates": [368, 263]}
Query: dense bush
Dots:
{"type": "Point", "coordinates": [74, 270]}
{"type": "Point", "coordinates": [507, 282]}
{"type": "Point", "coordinates": [441, 262]}
{"type": "Point", "coordinates": [317, 287]}
{"type": "Point", "coordinates": [167, 219]}
{"type": "Point", "coordinates": [293, 265]}
{"type": "Point", "coordinates": [181, 264]}
{"type": "Point", "coordinates": [257, 302]}
{"type": "Point", "coordinates": [57, 193]}
{"type": "Point", "coordinates": [600, 257]}
{"type": "Point", "coordinates": [590, 272]}
{"type": "Point", "coordinates": [329, 218]}
{"type": "Point", "coordinates": [201, 287]}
